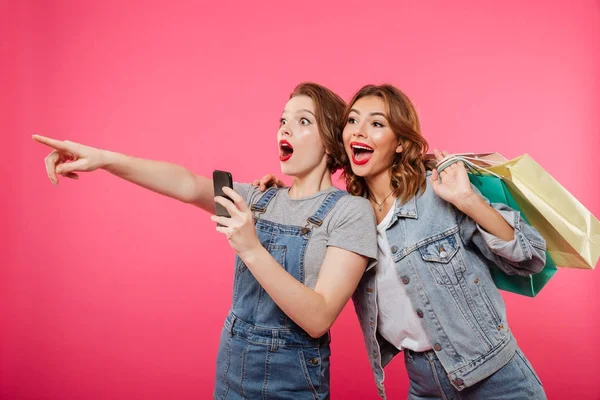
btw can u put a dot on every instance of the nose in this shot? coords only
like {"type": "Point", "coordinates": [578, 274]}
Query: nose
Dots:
{"type": "Point", "coordinates": [285, 131]}
{"type": "Point", "coordinates": [360, 130]}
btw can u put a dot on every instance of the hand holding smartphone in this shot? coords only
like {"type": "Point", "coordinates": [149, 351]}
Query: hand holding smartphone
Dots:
{"type": "Point", "coordinates": [221, 179]}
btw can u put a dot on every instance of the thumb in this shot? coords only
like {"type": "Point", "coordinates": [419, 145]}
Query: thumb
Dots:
{"type": "Point", "coordinates": [69, 167]}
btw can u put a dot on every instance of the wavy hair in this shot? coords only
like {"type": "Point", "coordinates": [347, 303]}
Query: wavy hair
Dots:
{"type": "Point", "coordinates": [408, 170]}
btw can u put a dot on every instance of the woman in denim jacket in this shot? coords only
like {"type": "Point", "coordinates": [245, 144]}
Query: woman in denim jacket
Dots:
{"type": "Point", "coordinates": [431, 293]}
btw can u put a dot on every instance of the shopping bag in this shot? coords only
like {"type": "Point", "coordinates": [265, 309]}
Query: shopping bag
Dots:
{"type": "Point", "coordinates": [495, 190]}
{"type": "Point", "coordinates": [571, 231]}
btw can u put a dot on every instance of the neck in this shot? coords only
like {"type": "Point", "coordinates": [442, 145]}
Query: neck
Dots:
{"type": "Point", "coordinates": [380, 185]}
{"type": "Point", "coordinates": [310, 183]}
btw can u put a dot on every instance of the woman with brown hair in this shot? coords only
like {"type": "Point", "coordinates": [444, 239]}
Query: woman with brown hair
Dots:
{"type": "Point", "coordinates": [431, 294]}
{"type": "Point", "coordinates": [301, 251]}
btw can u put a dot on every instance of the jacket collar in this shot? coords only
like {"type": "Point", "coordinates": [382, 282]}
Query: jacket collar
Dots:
{"type": "Point", "coordinates": [408, 209]}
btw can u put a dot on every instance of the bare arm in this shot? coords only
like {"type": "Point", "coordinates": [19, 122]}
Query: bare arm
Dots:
{"type": "Point", "coordinates": [172, 180]}
{"type": "Point", "coordinates": [486, 216]}
{"type": "Point", "coordinates": [165, 178]}
{"type": "Point", "coordinates": [313, 310]}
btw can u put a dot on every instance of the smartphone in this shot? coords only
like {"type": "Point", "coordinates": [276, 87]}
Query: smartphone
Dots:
{"type": "Point", "coordinates": [221, 179]}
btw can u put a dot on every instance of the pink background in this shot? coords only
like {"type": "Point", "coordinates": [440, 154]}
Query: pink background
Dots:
{"type": "Point", "coordinates": [111, 292]}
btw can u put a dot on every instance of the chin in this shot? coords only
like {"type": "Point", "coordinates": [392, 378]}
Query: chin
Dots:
{"type": "Point", "coordinates": [360, 170]}
{"type": "Point", "coordinates": [288, 170]}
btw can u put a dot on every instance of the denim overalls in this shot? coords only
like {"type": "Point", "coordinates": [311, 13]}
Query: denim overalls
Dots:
{"type": "Point", "coordinates": [263, 354]}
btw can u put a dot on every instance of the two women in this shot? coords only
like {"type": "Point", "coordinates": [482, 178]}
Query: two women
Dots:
{"type": "Point", "coordinates": [431, 294]}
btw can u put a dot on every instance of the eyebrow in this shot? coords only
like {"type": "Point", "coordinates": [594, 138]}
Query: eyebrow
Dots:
{"type": "Point", "coordinates": [371, 114]}
{"type": "Point", "coordinates": [302, 109]}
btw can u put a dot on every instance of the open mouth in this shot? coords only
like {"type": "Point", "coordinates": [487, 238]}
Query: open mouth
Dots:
{"type": "Point", "coordinates": [361, 153]}
{"type": "Point", "coordinates": [285, 150]}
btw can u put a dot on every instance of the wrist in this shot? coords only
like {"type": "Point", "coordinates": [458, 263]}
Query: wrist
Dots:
{"type": "Point", "coordinates": [108, 159]}
{"type": "Point", "coordinates": [252, 254]}
{"type": "Point", "coordinates": [468, 202]}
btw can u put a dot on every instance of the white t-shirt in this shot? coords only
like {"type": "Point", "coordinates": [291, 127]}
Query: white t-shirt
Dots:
{"type": "Point", "coordinates": [398, 322]}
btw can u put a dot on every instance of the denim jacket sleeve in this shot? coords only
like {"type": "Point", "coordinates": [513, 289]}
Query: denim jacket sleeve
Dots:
{"type": "Point", "coordinates": [524, 255]}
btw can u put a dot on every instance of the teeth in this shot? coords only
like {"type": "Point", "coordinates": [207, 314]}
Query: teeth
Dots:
{"type": "Point", "coordinates": [361, 147]}
{"type": "Point", "coordinates": [286, 145]}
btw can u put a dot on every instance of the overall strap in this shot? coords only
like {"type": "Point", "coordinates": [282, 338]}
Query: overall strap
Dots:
{"type": "Point", "coordinates": [261, 205]}
{"type": "Point", "coordinates": [329, 202]}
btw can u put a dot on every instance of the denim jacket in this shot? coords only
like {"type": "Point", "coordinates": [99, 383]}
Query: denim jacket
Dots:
{"type": "Point", "coordinates": [443, 258]}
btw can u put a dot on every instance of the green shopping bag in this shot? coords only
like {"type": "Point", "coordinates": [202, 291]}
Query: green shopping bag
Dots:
{"type": "Point", "coordinates": [495, 190]}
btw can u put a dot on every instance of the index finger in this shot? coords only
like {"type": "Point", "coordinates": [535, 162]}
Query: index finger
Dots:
{"type": "Point", "coordinates": [227, 204]}
{"type": "Point", "coordinates": [236, 198]}
{"type": "Point", "coordinates": [55, 144]}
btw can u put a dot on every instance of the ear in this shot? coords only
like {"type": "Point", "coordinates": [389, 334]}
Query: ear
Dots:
{"type": "Point", "coordinates": [399, 148]}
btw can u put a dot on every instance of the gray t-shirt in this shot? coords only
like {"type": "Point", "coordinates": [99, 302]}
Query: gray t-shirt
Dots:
{"type": "Point", "coordinates": [350, 225]}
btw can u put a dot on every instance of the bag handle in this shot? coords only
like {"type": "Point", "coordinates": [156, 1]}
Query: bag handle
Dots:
{"type": "Point", "coordinates": [470, 165]}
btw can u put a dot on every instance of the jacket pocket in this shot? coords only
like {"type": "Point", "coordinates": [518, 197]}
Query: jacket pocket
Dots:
{"type": "Point", "coordinates": [490, 306]}
{"type": "Point", "coordinates": [443, 259]}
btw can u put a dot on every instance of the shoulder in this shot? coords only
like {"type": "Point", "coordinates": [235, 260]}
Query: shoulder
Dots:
{"type": "Point", "coordinates": [356, 202]}
{"type": "Point", "coordinates": [352, 208]}
{"type": "Point", "coordinates": [243, 189]}
{"type": "Point", "coordinates": [250, 194]}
